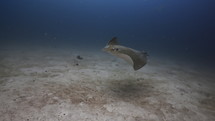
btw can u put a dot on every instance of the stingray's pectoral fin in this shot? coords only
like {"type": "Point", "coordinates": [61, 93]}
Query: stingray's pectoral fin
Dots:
{"type": "Point", "coordinates": [139, 65]}
{"type": "Point", "coordinates": [136, 59]}
{"type": "Point", "coordinates": [113, 41]}
{"type": "Point", "coordinates": [139, 61]}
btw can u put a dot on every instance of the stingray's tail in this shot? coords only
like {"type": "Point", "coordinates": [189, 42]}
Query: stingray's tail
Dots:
{"type": "Point", "coordinates": [145, 53]}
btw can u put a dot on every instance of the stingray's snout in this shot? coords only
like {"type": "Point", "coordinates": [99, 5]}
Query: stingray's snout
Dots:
{"type": "Point", "coordinates": [105, 48]}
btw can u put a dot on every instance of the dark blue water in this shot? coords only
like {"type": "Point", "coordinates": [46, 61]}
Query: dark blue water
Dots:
{"type": "Point", "coordinates": [180, 28]}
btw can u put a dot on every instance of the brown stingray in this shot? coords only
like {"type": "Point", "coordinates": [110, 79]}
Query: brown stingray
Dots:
{"type": "Point", "coordinates": [134, 57]}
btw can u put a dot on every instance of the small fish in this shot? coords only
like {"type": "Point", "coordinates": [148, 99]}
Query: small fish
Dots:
{"type": "Point", "coordinates": [134, 57]}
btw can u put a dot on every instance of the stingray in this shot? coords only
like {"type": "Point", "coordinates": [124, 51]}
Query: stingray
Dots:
{"type": "Point", "coordinates": [134, 57]}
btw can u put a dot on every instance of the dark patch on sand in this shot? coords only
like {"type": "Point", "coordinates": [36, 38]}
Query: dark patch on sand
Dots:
{"type": "Point", "coordinates": [131, 89]}
{"type": "Point", "coordinates": [76, 94]}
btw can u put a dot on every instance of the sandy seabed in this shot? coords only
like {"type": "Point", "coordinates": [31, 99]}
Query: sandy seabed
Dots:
{"type": "Point", "coordinates": [54, 85]}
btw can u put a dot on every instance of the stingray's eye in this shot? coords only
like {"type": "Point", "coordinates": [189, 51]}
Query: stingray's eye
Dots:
{"type": "Point", "coordinates": [115, 49]}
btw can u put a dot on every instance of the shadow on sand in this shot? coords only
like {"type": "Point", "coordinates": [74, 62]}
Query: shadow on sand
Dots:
{"type": "Point", "coordinates": [131, 88]}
